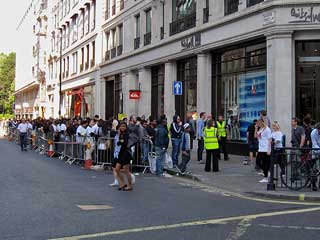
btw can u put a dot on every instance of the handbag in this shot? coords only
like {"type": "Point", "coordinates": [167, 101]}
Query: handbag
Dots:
{"type": "Point", "coordinates": [168, 160]}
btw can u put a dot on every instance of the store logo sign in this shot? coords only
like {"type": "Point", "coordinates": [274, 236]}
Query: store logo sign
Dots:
{"type": "Point", "coordinates": [305, 15]}
{"type": "Point", "coordinates": [191, 41]}
{"type": "Point", "coordinates": [134, 94]}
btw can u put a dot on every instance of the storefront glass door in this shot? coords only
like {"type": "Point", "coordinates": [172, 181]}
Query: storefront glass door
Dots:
{"type": "Point", "coordinates": [308, 79]}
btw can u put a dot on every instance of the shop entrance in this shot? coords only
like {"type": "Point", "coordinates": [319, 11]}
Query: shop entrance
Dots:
{"type": "Point", "coordinates": [187, 74]}
{"type": "Point", "coordinates": [113, 101]}
{"type": "Point", "coordinates": [308, 101]}
{"type": "Point", "coordinates": [308, 79]}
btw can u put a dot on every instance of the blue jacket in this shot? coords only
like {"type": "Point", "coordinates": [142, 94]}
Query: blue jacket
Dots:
{"type": "Point", "coordinates": [161, 137]}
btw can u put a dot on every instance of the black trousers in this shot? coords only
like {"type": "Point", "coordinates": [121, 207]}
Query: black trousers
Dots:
{"type": "Point", "coordinates": [200, 149]}
{"type": "Point", "coordinates": [263, 161]}
{"type": "Point", "coordinates": [223, 147]}
{"type": "Point", "coordinates": [212, 156]}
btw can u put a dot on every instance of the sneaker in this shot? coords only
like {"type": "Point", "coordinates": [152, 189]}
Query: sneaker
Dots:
{"type": "Point", "coordinates": [201, 162]}
{"type": "Point", "coordinates": [114, 184]}
{"type": "Point", "coordinates": [245, 162]}
{"type": "Point", "coordinates": [260, 173]}
{"type": "Point", "coordinates": [264, 180]}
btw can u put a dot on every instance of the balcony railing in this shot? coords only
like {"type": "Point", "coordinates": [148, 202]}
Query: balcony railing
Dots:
{"type": "Point", "coordinates": [113, 52]}
{"type": "Point", "coordinates": [205, 15]}
{"type": "Point", "coordinates": [136, 43]}
{"type": "Point", "coordinates": [119, 50]}
{"type": "Point", "coordinates": [162, 33]}
{"type": "Point", "coordinates": [147, 38]}
{"type": "Point", "coordinates": [121, 4]}
{"type": "Point", "coordinates": [183, 24]}
{"type": "Point", "coordinates": [107, 55]}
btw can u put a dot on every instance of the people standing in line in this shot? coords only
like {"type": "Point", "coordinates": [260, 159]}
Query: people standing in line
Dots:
{"type": "Point", "coordinates": [315, 141]}
{"type": "Point", "coordinates": [307, 130]}
{"type": "Point", "coordinates": [277, 138]}
{"type": "Point", "coordinates": [124, 158]}
{"type": "Point", "coordinates": [200, 127]}
{"type": "Point", "coordinates": [161, 144]}
{"type": "Point", "coordinates": [222, 134]}
{"type": "Point", "coordinates": [298, 135]}
{"type": "Point", "coordinates": [23, 128]}
{"type": "Point", "coordinates": [185, 148]}
{"type": "Point", "coordinates": [191, 122]}
{"type": "Point", "coordinates": [211, 144]}
{"type": "Point", "coordinates": [151, 128]}
{"type": "Point", "coordinates": [265, 118]}
{"type": "Point", "coordinates": [176, 131]}
{"type": "Point", "coordinates": [264, 136]}
{"type": "Point", "coordinates": [252, 143]}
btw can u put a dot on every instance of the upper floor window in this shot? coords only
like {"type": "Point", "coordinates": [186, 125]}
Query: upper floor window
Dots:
{"type": "Point", "coordinates": [86, 19]}
{"type": "Point", "coordinates": [183, 8]}
{"type": "Point", "coordinates": [230, 6]}
{"type": "Point", "coordinates": [137, 20]}
{"type": "Point", "coordinates": [148, 21]}
{"type": "Point", "coordinates": [113, 10]}
{"type": "Point", "coordinates": [183, 15]}
{"type": "Point", "coordinates": [93, 15]}
{"type": "Point", "coordinates": [253, 2]}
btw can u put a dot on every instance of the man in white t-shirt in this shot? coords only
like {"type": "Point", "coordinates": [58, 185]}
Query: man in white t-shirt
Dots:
{"type": "Point", "coordinates": [23, 128]}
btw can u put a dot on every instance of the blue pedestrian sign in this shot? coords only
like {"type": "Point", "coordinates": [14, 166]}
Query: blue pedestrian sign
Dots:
{"type": "Point", "coordinates": [177, 88]}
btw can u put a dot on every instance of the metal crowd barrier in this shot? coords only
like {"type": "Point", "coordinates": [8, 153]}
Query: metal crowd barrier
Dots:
{"type": "Point", "coordinates": [294, 168]}
{"type": "Point", "coordinates": [77, 149]}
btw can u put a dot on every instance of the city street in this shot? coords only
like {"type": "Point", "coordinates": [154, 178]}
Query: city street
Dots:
{"type": "Point", "coordinates": [44, 198]}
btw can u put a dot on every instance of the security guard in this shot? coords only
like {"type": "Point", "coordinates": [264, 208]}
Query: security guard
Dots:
{"type": "Point", "coordinates": [222, 134]}
{"type": "Point", "coordinates": [212, 147]}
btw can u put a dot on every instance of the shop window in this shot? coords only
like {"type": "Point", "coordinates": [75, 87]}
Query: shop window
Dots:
{"type": "Point", "coordinates": [239, 87]}
{"type": "Point", "coordinates": [187, 74]}
{"type": "Point", "coordinates": [157, 91]}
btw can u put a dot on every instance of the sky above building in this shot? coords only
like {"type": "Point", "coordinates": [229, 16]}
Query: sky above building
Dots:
{"type": "Point", "coordinates": [10, 15]}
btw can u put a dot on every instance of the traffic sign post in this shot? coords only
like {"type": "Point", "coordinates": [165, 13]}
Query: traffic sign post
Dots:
{"type": "Point", "coordinates": [177, 88]}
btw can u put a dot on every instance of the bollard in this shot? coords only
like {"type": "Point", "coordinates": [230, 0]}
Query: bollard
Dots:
{"type": "Point", "coordinates": [88, 158]}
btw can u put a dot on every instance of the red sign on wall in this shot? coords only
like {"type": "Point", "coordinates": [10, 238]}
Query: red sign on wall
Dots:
{"type": "Point", "coordinates": [134, 94]}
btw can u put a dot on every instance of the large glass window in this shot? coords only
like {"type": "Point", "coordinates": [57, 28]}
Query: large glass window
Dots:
{"type": "Point", "coordinates": [308, 79]}
{"type": "Point", "coordinates": [239, 87]}
{"type": "Point", "coordinates": [183, 8]}
{"type": "Point", "coordinates": [157, 91]}
{"type": "Point", "coordinates": [137, 18]}
{"type": "Point", "coordinates": [253, 2]}
{"type": "Point", "coordinates": [148, 21]}
{"type": "Point", "coordinates": [187, 74]}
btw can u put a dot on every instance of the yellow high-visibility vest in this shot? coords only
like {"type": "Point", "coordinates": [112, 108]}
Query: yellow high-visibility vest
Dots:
{"type": "Point", "coordinates": [210, 138]}
{"type": "Point", "coordinates": [222, 129]}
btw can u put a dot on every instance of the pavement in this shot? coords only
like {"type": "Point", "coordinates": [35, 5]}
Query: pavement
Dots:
{"type": "Point", "coordinates": [45, 198]}
{"type": "Point", "coordinates": [234, 177]}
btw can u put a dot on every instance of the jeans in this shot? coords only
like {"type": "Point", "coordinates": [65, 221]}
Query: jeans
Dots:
{"type": "Point", "coordinates": [184, 162]}
{"type": "Point", "coordinates": [200, 149]}
{"type": "Point", "coordinates": [176, 146]}
{"type": "Point", "coordinates": [160, 160]}
{"type": "Point", "coordinates": [23, 141]}
{"type": "Point", "coordinates": [145, 151]}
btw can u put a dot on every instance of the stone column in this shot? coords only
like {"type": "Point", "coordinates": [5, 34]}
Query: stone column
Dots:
{"type": "Point", "coordinates": [98, 92]}
{"type": "Point", "coordinates": [204, 83]}
{"type": "Point", "coordinates": [129, 82]}
{"type": "Point", "coordinates": [280, 79]}
{"type": "Point", "coordinates": [145, 87]}
{"type": "Point", "coordinates": [170, 75]}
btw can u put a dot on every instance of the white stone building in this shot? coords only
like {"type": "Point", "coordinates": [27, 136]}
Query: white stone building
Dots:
{"type": "Point", "coordinates": [75, 41]}
{"type": "Point", "coordinates": [233, 57]}
{"type": "Point", "coordinates": [31, 61]}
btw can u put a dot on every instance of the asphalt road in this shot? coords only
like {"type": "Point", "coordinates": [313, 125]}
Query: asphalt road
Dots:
{"type": "Point", "coordinates": [40, 198]}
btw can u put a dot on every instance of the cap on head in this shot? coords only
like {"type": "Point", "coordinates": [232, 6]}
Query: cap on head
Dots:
{"type": "Point", "coordinates": [186, 125]}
